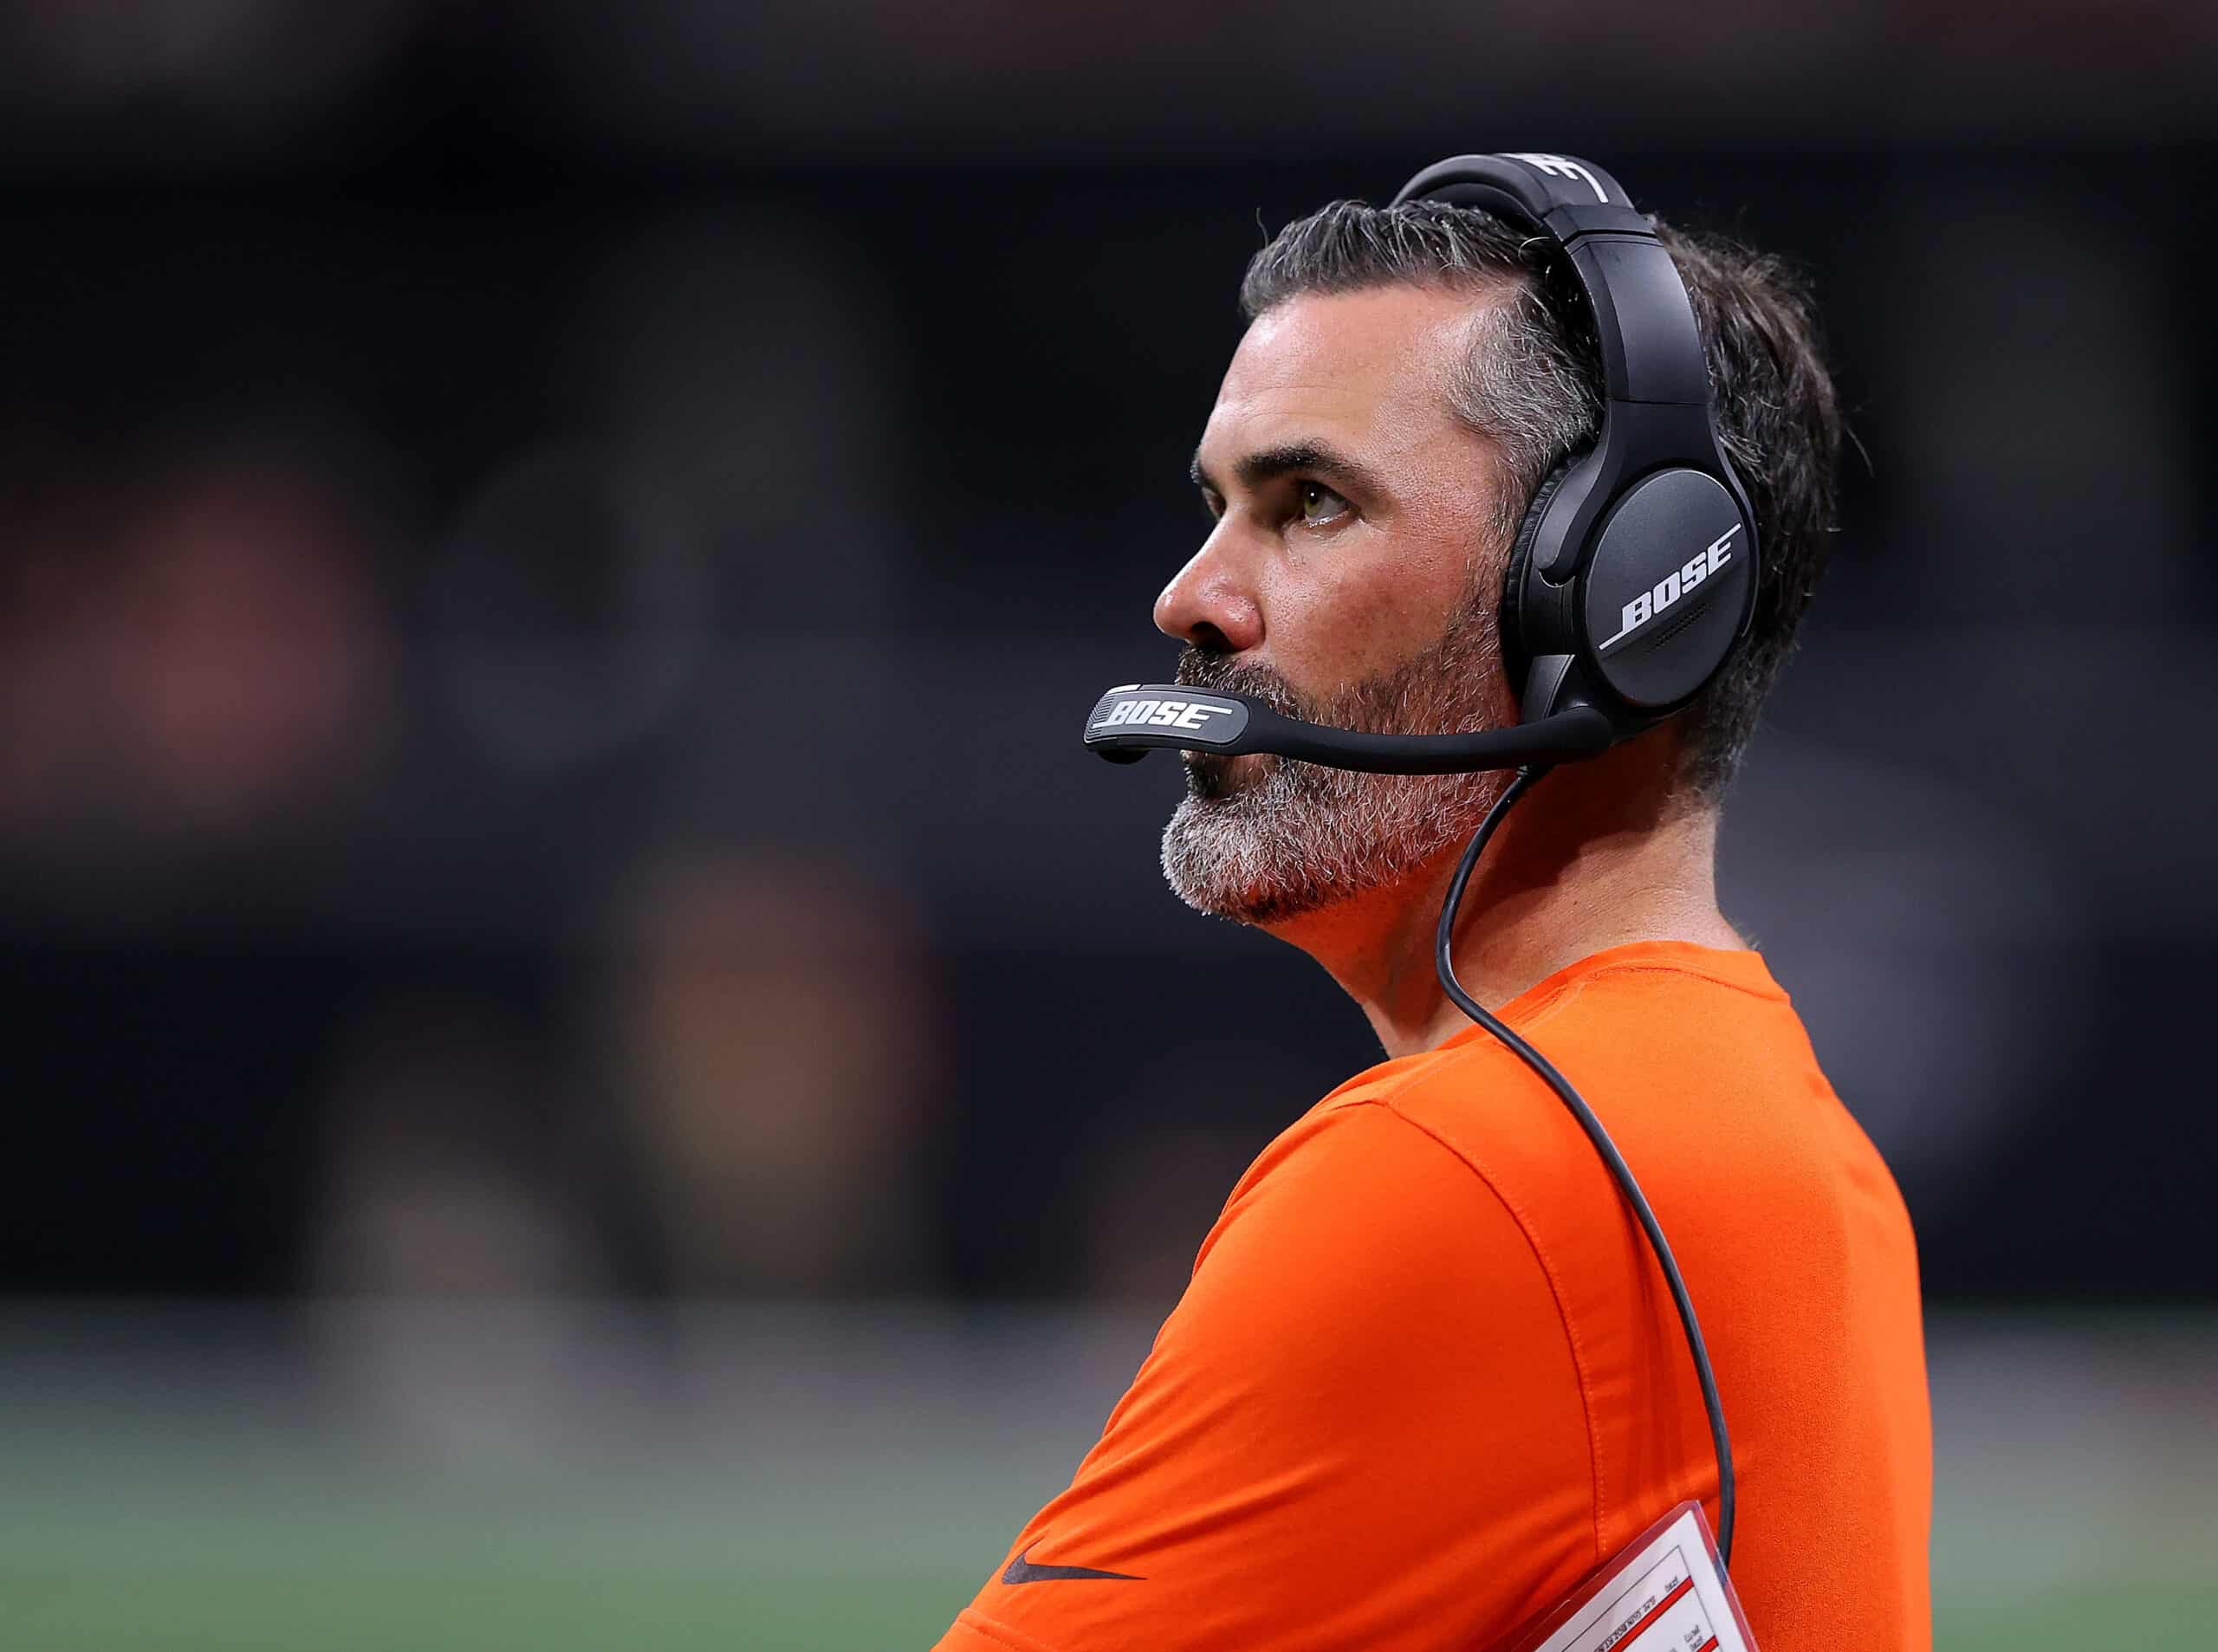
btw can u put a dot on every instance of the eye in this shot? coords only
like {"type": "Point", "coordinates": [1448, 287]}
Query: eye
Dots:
{"type": "Point", "coordinates": [1213, 503]}
{"type": "Point", "coordinates": [1320, 504]}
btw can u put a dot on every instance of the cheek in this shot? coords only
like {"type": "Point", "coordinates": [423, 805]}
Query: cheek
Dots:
{"type": "Point", "coordinates": [1368, 609]}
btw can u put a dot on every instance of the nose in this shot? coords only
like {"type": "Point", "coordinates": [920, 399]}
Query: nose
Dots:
{"type": "Point", "coordinates": [1210, 603]}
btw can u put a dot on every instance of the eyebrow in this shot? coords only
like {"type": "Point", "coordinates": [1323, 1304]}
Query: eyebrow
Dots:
{"type": "Point", "coordinates": [1253, 469]}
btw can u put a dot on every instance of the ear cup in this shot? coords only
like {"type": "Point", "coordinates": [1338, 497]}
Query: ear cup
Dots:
{"type": "Point", "coordinates": [1515, 653]}
{"type": "Point", "coordinates": [1667, 589]}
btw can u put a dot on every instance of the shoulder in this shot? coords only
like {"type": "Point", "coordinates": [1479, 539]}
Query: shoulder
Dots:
{"type": "Point", "coordinates": [1358, 1164]}
{"type": "Point", "coordinates": [1362, 1425]}
{"type": "Point", "coordinates": [1691, 1058]}
{"type": "Point", "coordinates": [1362, 1217]}
{"type": "Point", "coordinates": [1372, 1309]}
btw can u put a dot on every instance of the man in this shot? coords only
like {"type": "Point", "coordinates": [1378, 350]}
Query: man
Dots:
{"type": "Point", "coordinates": [1427, 1376]}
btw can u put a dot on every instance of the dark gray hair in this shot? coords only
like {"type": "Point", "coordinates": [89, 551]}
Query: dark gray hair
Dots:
{"type": "Point", "coordinates": [1530, 381]}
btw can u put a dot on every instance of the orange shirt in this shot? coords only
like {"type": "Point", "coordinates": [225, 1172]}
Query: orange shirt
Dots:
{"type": "Point", "coordinates": [1427, 1376]}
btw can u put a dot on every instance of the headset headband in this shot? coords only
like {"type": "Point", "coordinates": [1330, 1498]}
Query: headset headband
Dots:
{"type": "Point", "coordinates": [1651, 350]}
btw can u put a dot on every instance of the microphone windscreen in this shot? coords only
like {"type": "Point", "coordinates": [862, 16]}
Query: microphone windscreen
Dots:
{"type": "Point", "coordinates": [1141, 715]}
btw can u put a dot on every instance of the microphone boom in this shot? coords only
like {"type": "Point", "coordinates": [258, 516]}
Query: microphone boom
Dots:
{"type": "Point", "coordinates": [1128, 721]}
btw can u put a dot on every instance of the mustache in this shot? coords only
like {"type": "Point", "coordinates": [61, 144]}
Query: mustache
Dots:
{"type": "Point", "coordinates": [1209, 774]}
{"type": "Point", "coordinates": [1198, 669]}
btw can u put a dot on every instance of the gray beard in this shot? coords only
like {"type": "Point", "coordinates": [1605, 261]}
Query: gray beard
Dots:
{"type": "Point", "coordinates": [1299, 837]}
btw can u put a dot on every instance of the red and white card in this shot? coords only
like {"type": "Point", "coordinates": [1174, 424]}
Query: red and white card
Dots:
{"type": "Point", "coordinates": [1665, 1591]}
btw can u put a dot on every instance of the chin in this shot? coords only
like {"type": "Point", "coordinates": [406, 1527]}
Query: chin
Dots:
{"type": "Point", "coordinates": [1217, 862]}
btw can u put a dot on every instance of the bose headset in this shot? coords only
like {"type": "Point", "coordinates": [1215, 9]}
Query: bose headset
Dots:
{"type": "Point", "coordinates": [1630, 578]}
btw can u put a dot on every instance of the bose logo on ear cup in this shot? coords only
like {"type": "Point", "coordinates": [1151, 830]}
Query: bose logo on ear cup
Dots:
{"type": "Point", "coordinates": [1649, 604]}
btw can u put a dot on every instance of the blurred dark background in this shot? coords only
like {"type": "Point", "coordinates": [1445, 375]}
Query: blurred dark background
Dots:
{"type": "Point", "coordinates": [551, 559]}
{"type": "Point", "coordinates": [546, 563]}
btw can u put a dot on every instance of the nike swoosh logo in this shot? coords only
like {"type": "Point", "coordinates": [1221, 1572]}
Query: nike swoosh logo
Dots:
{"type": "Point", "coordinates": [1022, 1570]}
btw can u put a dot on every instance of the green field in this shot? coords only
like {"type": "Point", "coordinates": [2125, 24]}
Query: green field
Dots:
{"type": "Point", "coordinates": [345, 1611]}
{"type": "Point", "coordinates": [793, 1481]}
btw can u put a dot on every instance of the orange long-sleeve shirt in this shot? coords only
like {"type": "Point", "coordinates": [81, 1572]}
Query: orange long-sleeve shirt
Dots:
{"type": "Point", "coordinates": [1427, 1375]}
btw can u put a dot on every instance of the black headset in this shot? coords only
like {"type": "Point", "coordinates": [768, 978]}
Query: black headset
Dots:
{"type": "Point", "coordinates": [1633, 574]}
{"type": "Point", "coordinates": [1631, 577]}
{"type": "Point", "coordinates": [1634, 571]}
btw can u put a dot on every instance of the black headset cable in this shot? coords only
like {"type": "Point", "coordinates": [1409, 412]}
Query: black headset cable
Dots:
{"type": "Point", "coordinates": [1444, 962]}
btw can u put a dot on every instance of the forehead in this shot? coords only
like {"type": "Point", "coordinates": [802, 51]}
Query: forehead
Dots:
{"type": "Point", "coordinates": [1368, 368]}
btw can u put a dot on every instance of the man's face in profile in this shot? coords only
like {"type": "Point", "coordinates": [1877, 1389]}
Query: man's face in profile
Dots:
{"type": "Point", "coordinates": [1352, 577]}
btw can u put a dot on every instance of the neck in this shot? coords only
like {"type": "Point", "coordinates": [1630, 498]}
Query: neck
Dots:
{"type": "Point", "coordinates": [1595, 855]}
